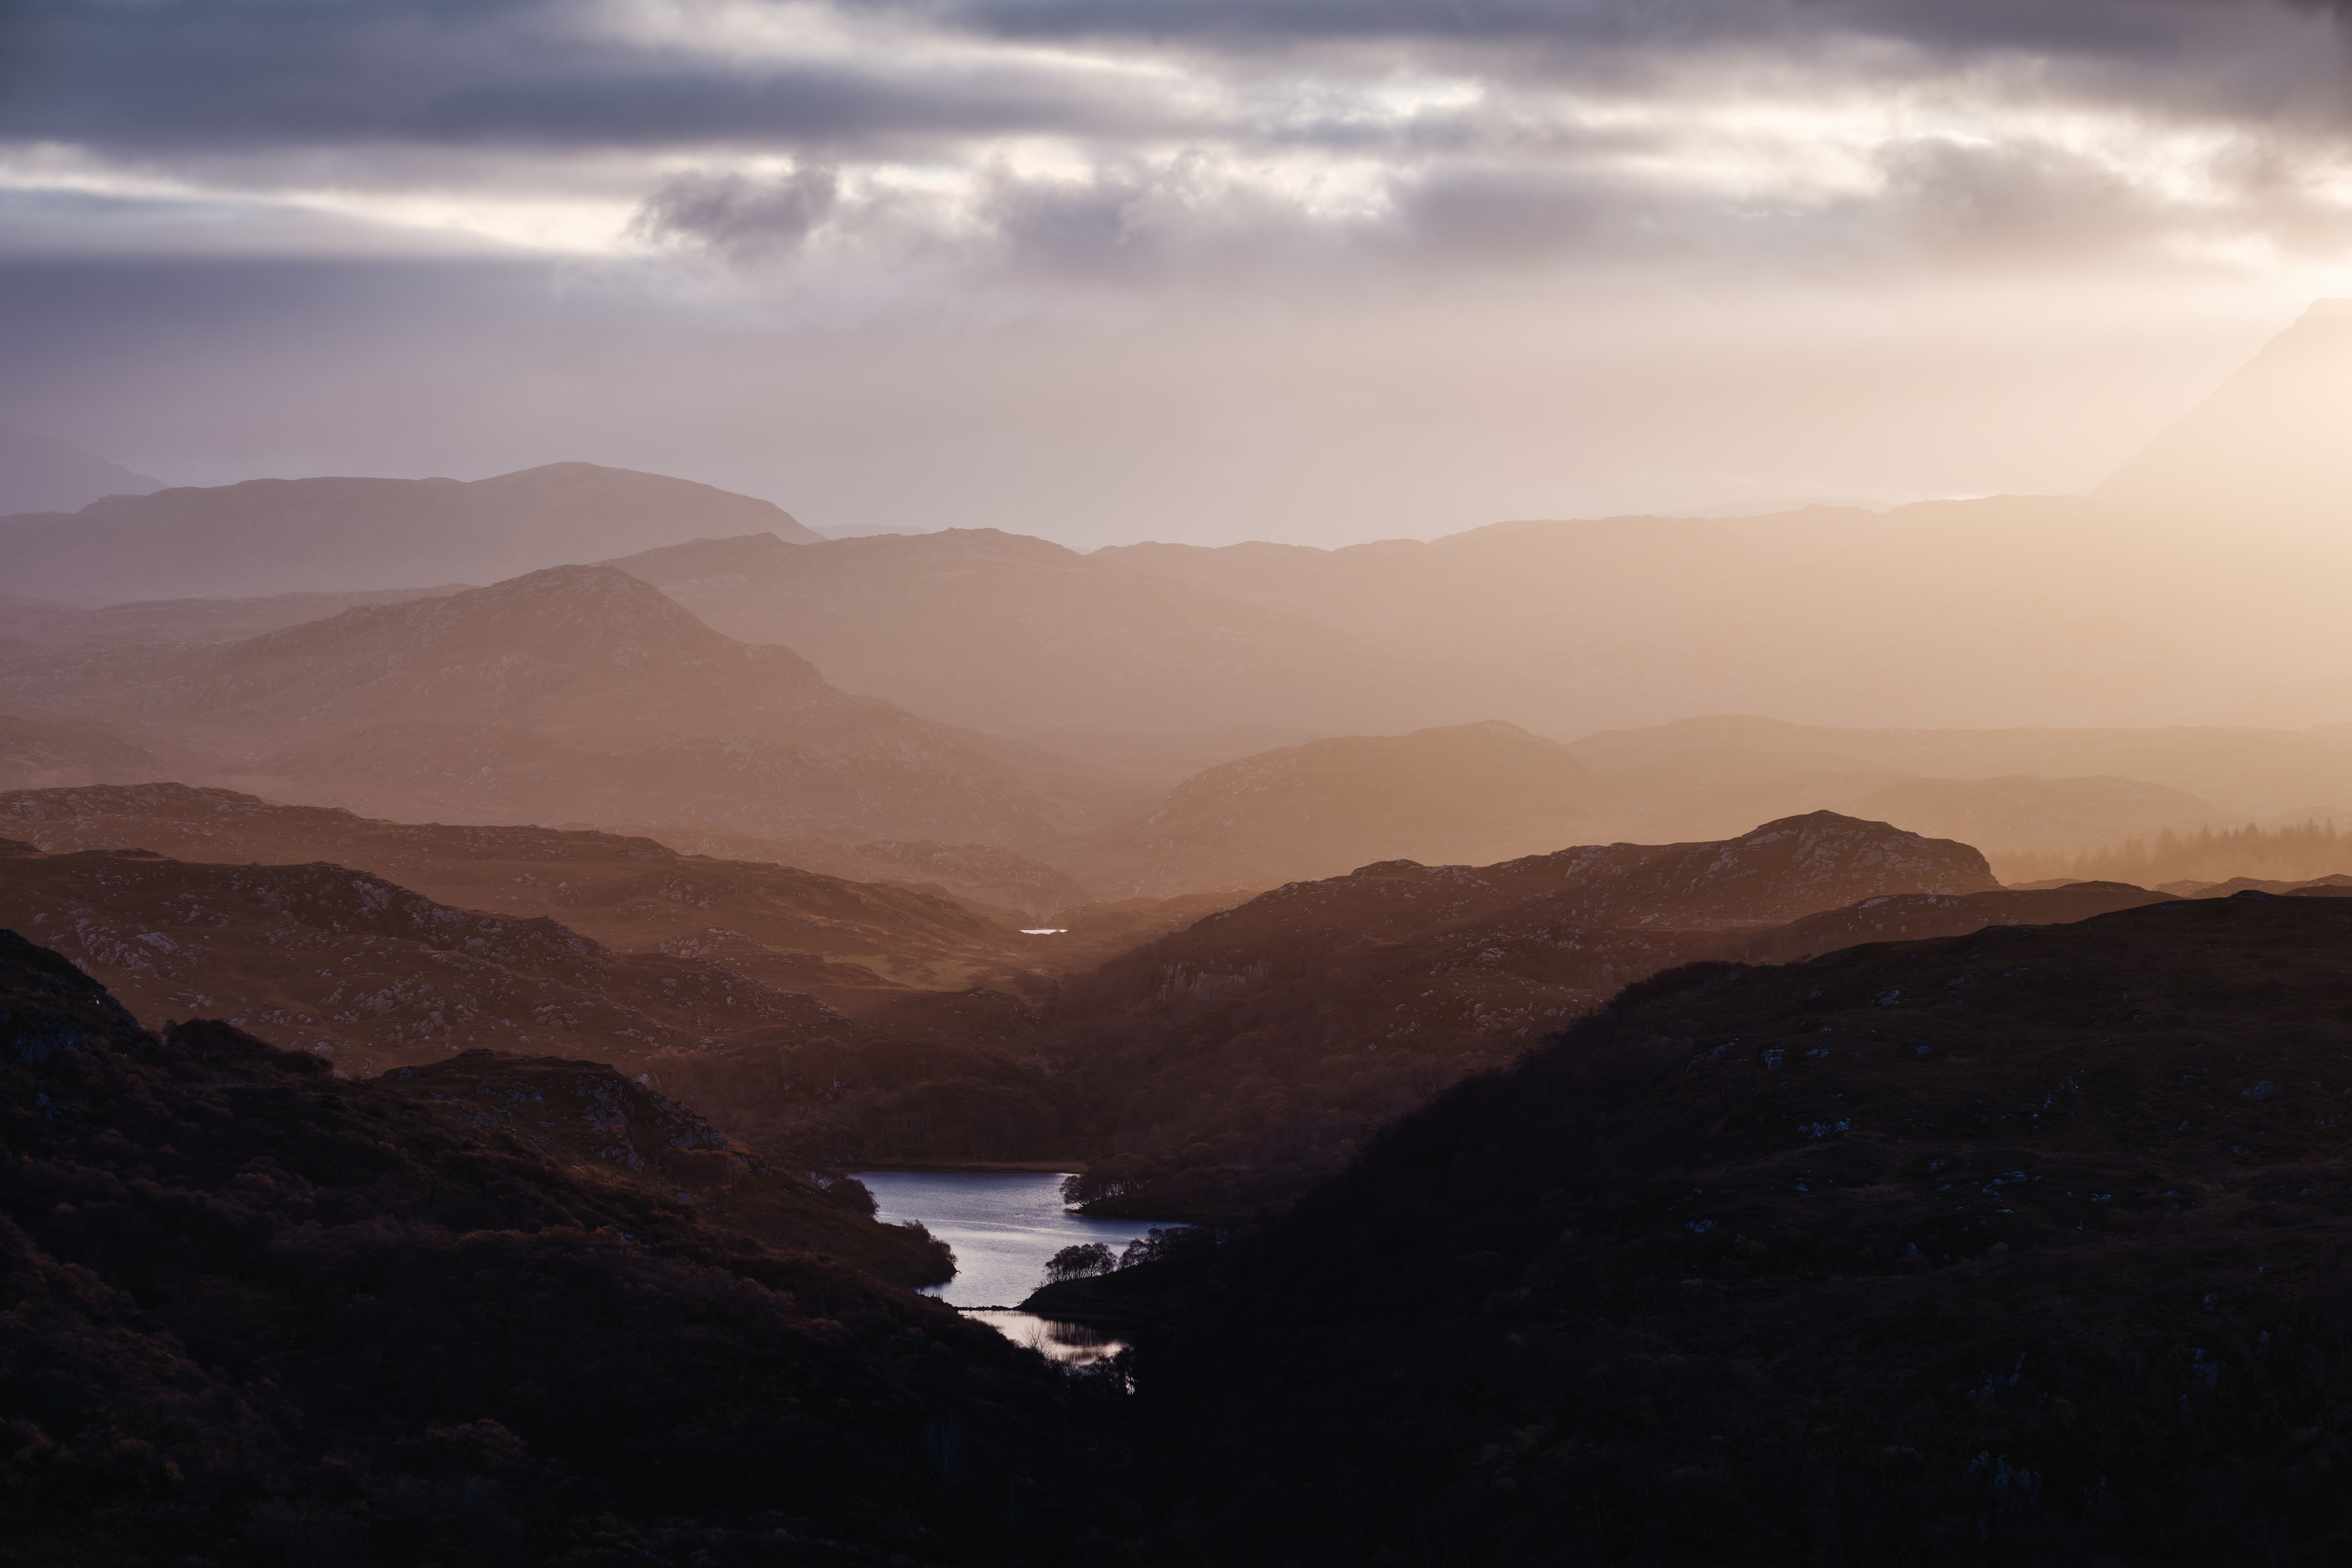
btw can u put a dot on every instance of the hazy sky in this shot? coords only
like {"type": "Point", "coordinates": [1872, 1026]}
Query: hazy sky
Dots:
{"type": "Point", "coordinates": [1111, 270]}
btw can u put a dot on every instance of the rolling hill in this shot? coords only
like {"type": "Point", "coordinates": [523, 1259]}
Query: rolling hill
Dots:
{"type": "Point", "coordinates": [1239, 1059]}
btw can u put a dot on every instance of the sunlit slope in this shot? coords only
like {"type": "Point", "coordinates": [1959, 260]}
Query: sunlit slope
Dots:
{"type": "Point", "coordinates": [2276, 438]}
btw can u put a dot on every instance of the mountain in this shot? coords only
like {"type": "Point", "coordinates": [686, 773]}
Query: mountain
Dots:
{"type": "Point", "coordinates": [572, 694]}
{"type": "Point", "coordinates": [1237, 1059]}
{"type": "Point", "coordinates": [1024, 637]}
{"type": "Point", "coordinates": [2044, 611]}
{"type": "Point", "coordinates": [1471, 793]}
{"type": "Point", "coordinates": [40, 475]}
{"type": "Point", "coordinates": [2269, 441]}
{"type": "Point", "coordinates": [262, 1313]}
{"type": "Point", "coordinates": [2015, 1247]}
{"type": "Point", "coordinates": [295, 536]}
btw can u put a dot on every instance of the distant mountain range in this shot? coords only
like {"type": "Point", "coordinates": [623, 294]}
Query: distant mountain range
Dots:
{"type": "Point", "coordinates": [572, 694]}
{"type": "Point", "coordinates": [297, 536]}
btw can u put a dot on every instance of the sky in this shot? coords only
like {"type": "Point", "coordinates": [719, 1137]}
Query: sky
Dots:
{"type": "Point", "coordinates": [1103, 270]}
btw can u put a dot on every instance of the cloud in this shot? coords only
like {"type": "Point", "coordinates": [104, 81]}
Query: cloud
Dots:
{"type": "Point", "coordinates": [740, 219]}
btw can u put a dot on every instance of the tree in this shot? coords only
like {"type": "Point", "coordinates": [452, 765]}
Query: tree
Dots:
{"type": "Point", "coordinates": [1081, 1261]}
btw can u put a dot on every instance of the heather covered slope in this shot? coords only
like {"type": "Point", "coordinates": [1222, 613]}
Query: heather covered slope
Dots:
{"type": "Point", "coordinates": [264, 1315]}
{"type": "Point", "coordinates": [2019, 1247]}
{"type": "Point", "coordinates": [810, 1059]}
{"type": "Point", "coordinates": [288, 536]}
{"type": "Point", "coordinates": [368, 974]}
{"type": "Point", "coordinates": [1235, 1060]}
{"type": "Point", "coordinates": [629, 893]}
{"type": "Point", "coordinates": [1469, 795]}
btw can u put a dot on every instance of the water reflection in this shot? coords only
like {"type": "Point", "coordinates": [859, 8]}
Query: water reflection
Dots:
{"type": "Point", "coordinates": [1003, 1226]}
{"type": "Point", "coordinates": [1072, 1345]}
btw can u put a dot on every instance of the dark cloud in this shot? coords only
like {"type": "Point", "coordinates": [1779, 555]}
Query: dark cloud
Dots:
{"type": "Point", "coordinates": [171, 76]}
{"type": "Point", "coordinates": [741, 219]}
{"type": "Point", "coordinates": [184, 75]}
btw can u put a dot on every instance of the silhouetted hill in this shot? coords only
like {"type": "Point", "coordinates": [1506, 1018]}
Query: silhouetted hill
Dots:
{"type": "Point", "coordinates": [1237, 1058]}
{"type": "Point", "coordinates": [2019, 1246]}
{"type": "Point", "coordinates": [285, 536]}
{"type": "Point", "coordinates": [1471, 794]}
{"type": "Point", "coordinates": [41, 475]}
{"type": "Point", "coordinates": [263, 1314]}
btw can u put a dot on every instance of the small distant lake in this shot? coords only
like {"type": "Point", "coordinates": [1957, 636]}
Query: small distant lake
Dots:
{"type": "Point", "coordinates": [1004, 1226]}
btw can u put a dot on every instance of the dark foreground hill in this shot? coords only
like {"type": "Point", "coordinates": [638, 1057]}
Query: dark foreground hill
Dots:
{"type": "Point", "coordinates": [2027, 1246]}
{"type": "Point", "coordinates": [259, 1315]}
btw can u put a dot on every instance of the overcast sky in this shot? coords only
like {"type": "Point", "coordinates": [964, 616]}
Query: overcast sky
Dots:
{"type": "Point", "coordinates": [1317, 270]}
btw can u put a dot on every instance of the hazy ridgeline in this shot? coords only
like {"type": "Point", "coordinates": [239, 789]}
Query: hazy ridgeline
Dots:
{"type": "Point", "coordinates": [2299, 853]}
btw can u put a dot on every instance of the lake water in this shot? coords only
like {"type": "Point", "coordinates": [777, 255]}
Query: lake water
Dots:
{"type": "Point", "coordinates": [1003, 1226]}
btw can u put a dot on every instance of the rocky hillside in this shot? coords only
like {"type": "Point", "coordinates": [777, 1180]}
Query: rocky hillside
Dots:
{"type": "Point", "coordinates": [1471, 794]}
{"type": "Point", "coordinates": [368, 974]}
{"type": "Point", "coordinates": [259, 1313]}
{"type": "Point", "coordinates": [627, 892]}
{"type": "Point", "coordinates": [1236, 1059]}
{"type": "Point", "coordinates": [2017, 1247]}
{"type": "Point", "coordinates": [822, 1060]}
{"type": "Point", "coordinates": [282, 535]}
